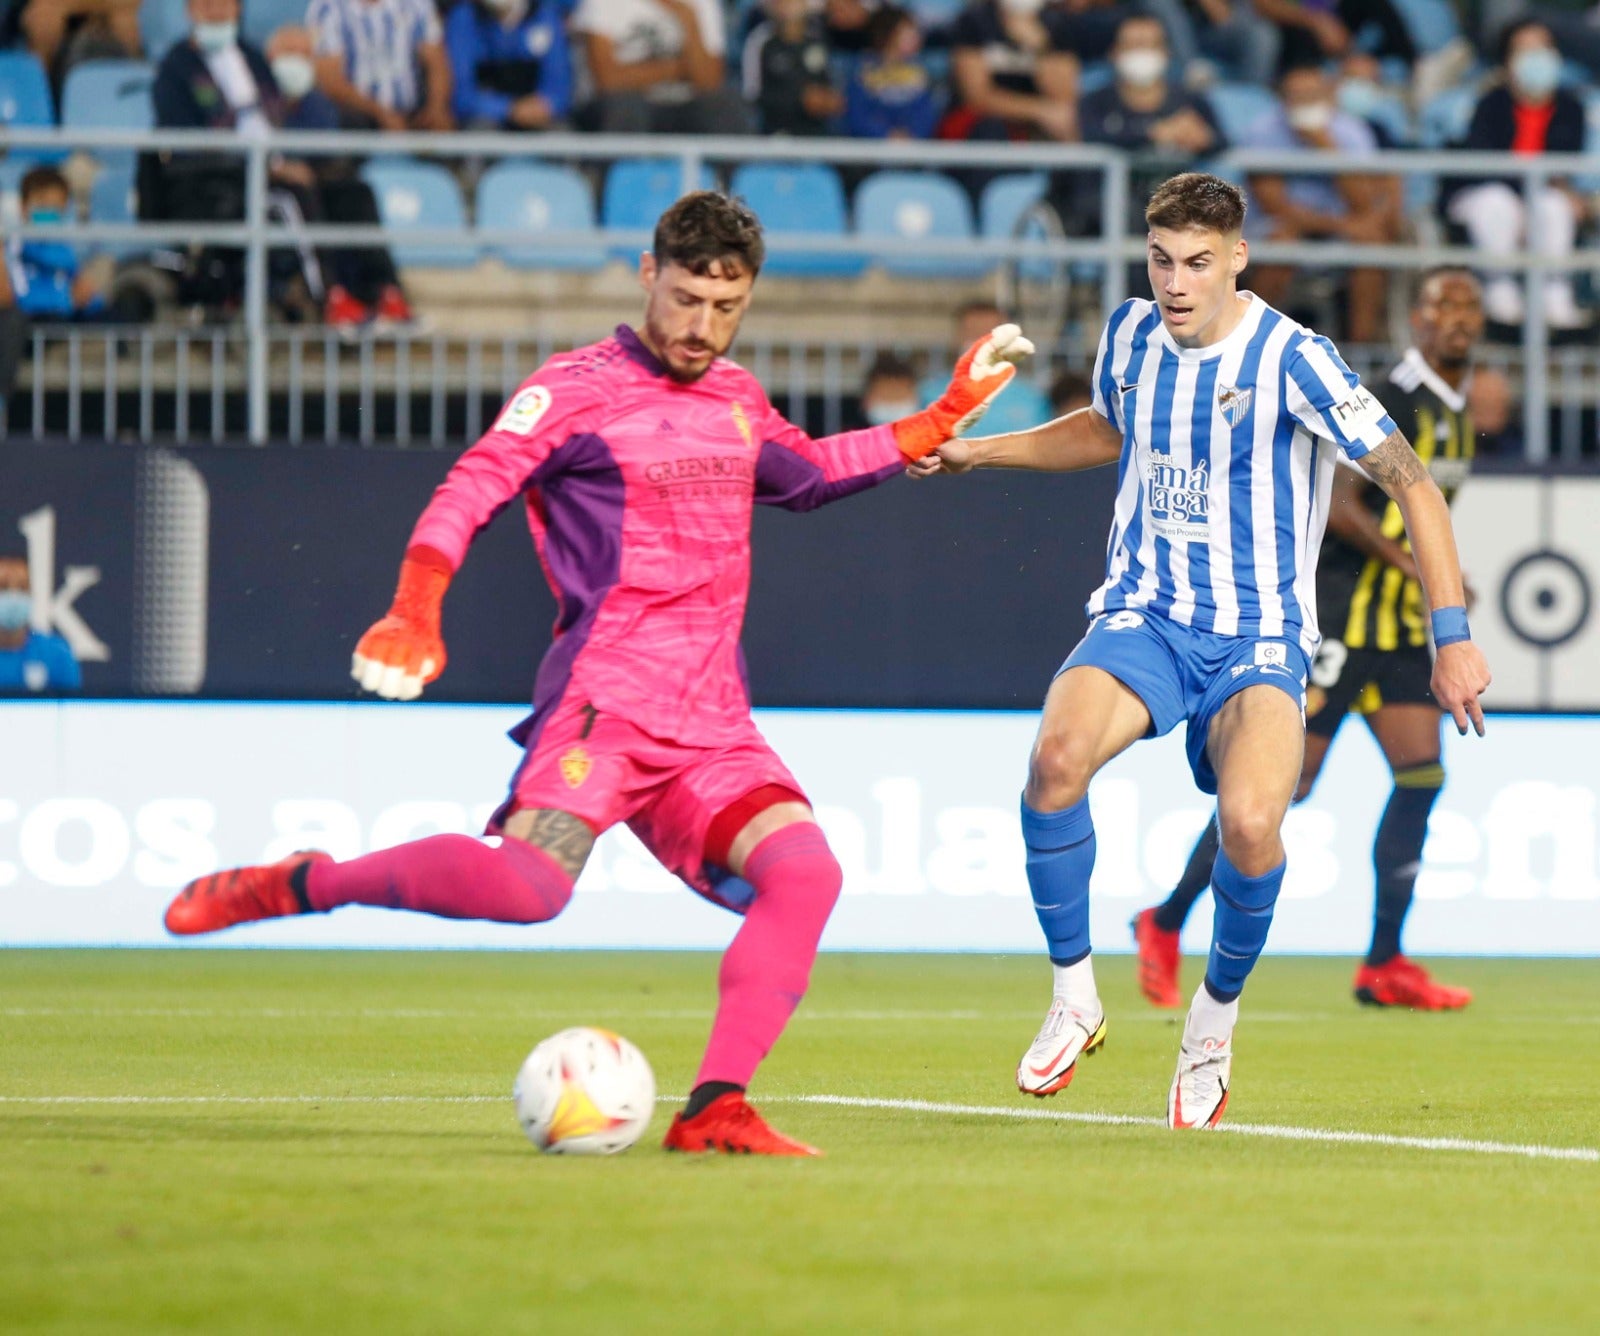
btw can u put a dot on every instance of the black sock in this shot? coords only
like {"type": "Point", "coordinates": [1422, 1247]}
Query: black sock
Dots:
{"type": "Point", "coordinates": [1397, 854]}
{"type": "Point", "coordinates": [704, 1093]}
{"type": "Point", "coordinates": [1171, 912]}
{"type": "Point", "coordinates": [297, 883]}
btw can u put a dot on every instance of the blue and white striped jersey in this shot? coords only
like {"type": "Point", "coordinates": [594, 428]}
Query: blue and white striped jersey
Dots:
{"type": "Point", "coordinates": [1223, 485]}
{"type": "Point", "coordinates": [378, 40]}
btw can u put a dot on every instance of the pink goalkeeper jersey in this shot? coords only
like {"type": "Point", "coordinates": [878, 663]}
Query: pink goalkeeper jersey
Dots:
{"type": "Point", "coordinates": [639, 492]}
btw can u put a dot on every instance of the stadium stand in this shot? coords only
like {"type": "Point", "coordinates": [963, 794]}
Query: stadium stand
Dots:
{"type": "Point", "coordinates": [539, 197]}
{"type": "Point", "coordinates": [794, 200]}
{"type": "Point", "coordinates": [636, 192]}
{"type": "Point", "coordinates": [414, 195]}
{"type": "Point", "coordinates": [916, 206]}
{"type": "Point", "coordinates": [25, 100]}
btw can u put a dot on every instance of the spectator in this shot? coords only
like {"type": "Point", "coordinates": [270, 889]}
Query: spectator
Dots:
{"type": "Point", "coordinates": [786, 73]}
{"type": "Point", "coordinates": [1495, 413]}
{"type": "Point", "coordinates": [362, 280]}
{"type": "Point", "coordinates": [1356, 208]}
{"type": "Point", "coordinates": [30, 660]}
{"type": "Point", "coordinates": [1069, 392]}
{"type": "Point", "coordinates": [61, 33]}
{"type": "Point", "coordinates": [1021, 407]}
{"type": "Point", "coordinates": [382, 62]}
{"type": "Point", "coordinates": [510, 64]}
{"type": "Point", "coordinates": [43, 279]}
{"type": "Point", "coordinates": [890, 391]}
{"type": "Point", "coordinates": [1228, 33]}
{"type": "Point", "coordinates": [1014, 76]}
{"type": "Point", "coordinates": [213, 81]}
{"type": "Point", "coordinates": [891, 94]}
{"type": "Point", "coordinates": [1527, 112]}
{"type": "Point", "coordinates": [1361, 94]}
{"type": "Point", "coordinates": [1141, 111]}
{"type": "Point", "coordinates": [657, 68]}
{"type": "Point", "coordinates": [1312, 31]}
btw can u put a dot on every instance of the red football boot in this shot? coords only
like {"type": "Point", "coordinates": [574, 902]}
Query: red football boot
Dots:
{"type": "Point", "coordinates": [1158, 960]}
{"type": "Point", "coordinates": [239, 895]}
{"type": "Point", "coordinates": [730, 1125]}
{"type": "Point", "coordinates": [1404, 983]}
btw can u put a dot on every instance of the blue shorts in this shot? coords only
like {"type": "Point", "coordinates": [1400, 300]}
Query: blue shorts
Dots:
{"type": "Point", "coordinates": [1180, 673]}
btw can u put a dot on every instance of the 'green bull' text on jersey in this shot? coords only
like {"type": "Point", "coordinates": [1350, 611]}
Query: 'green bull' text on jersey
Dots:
{"type": "Point", "coordinates": [1227, 465]}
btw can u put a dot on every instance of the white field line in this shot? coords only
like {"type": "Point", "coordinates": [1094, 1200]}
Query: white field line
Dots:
{"type": "Point", "coordinates": [547, 1013]}
{"type": "Point", "coordinates": [1316, 1134]}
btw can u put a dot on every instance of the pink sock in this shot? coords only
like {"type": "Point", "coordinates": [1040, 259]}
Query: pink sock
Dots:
{"type": "Point", "coordinates": [454, 876]}
{"type": "Point", "coordinates": [768, 965]}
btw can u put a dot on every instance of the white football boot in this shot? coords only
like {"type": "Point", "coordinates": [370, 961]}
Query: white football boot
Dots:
{"type": "Point", "coordinates": [1199, 1091]}
{"type": "Point", "coordinates": [1066, 1034]}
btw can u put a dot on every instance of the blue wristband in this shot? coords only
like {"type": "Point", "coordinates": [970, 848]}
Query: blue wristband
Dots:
{"type": "Point", "coordinates": [1449, 626]}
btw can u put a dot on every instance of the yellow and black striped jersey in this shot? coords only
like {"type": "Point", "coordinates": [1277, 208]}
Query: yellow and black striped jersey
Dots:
{"type": "Point", "coordinates": [1365, 602]}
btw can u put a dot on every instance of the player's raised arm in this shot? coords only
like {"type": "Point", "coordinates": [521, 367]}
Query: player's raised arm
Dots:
{"type": "Point", "coordinates": [800, 473]}
{"type": "Point", "coordinates": [1460, 674]}
{"type": "Point", "coordinates": [1080, 440]}
{"type": "Point", "coordinates": [404, 650]}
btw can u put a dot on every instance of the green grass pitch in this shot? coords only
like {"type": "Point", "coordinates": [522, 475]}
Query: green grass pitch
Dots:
{"type": "Point", "coordinates": [274, 1142]}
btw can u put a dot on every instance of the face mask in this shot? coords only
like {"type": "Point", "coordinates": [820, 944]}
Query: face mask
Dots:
{"type": "Point", "coordinates": [16, 605]}
{"type": "Point", "coordinates": [1026, 7]}
{"type": "Point", "coordinates": [44, 216]}
{"type": "Point", "coordinates": [882, 414]}
{"type": "Point", "coordinates": [214, 37]}
{"type": "Point", "coordinates": [1141, 68]}
{"type": "Point", "coordinates": [1537, 72]}
{"type": "Point", "coordinates": [1360, 97]}
{"type": "Point", "coordinates": [294, 75]}
{"type": "Point", "coordinates": [1310, 117]}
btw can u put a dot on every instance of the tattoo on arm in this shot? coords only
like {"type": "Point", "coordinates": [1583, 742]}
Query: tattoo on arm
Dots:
{"type": "Point", "coordinates": [560, 834]}
{"type": "Point", "coordinates": [1394, 465]}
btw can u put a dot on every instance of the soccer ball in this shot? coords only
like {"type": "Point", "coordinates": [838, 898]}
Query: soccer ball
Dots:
{"type": "Point", "coordinates": [585, 1091]}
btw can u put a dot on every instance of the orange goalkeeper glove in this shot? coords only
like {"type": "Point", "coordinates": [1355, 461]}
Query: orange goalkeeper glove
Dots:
{"type": "Point", "coordinates": [404, 651]}
{"type": "Point", "coordinates": [984, 370]}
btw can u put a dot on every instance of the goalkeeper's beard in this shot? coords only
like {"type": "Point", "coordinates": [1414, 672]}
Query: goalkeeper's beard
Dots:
{"type": "Point", "coordinates": [664, 346]}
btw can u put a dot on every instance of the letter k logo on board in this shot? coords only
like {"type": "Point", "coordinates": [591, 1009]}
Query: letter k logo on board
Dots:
{"type": "Point", "coordinates": [53, 608]}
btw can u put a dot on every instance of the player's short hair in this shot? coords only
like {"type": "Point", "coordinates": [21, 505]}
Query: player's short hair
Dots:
{"type": "Point", "coordinates": [1442, 271]}
{"type": "Point", "coordinates": [1197, 199]}
{"type": "Point", "coordinates": [707, 228]}
{"type": "Point", "coordinates": [37, 179]}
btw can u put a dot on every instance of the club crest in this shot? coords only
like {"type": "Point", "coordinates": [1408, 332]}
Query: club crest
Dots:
{"type": "Point", "coordinates": [575, 767]}
{"type": "Point", "coordinates": [1234, 403]}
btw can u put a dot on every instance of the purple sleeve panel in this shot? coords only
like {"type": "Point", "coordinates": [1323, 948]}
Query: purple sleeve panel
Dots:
{"type": "Point", "coordinates": [525, 444]}
{"type": "Point", "coordinates": [785, 478]}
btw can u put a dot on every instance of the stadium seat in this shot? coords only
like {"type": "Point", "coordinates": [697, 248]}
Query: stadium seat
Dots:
{"type": "Point", "coordinates": [1239, 106]}
{"type": "Point", "coordinates": [1005, 199]}
{"type": "Point", "coordinates": [111, 95]}
{"type": "Point", "coordinates": [638, 191]}
{"type": "Point", "coordinates": [539, 197]}
{"type": "Point", "coordinates": [25, 100]}
{"type": "Point", "coordinates": [165, 23]}
{"type": "Point", "coordinates": [917, 206]}
{"type": "Point", "coordinates": [793, 200]}
{"type": "Point", "coordinates": [111, 200]}
{"type": "Point", "coordinates": [1443, 119]}
{"type": "Point", "coordinates": [413, 195]}
{"type": "Point", "coordinates": [259, 19]}
{"type": "Point", "coordinates": [1432, 23]}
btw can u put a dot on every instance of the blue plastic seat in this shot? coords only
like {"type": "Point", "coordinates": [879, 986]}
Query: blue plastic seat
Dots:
{"type": "Point", "coordinates": [917, 206]}
{"type": "Point", "coordinates": [111, 200]}
{"type": "Point", "coordinates": [1431, 23]}
{"type": "Point", "coordinates": [1005, 199]}
{"type": "Point", "coordinates": [640, 190]}
{"type": "Point", "coordinates": [795, 200]}
{"type": "Point", "coordinates": [1239, 106]}
{"type": "Point", "coordinates": [261, 18]}
{"type": "Point", "coordinates": [414, 195]}
{"type": "Point", "coordinates": [112, 95]}
{"type": "Point", "coordinates": [165, 23]}
{"type": "Point", "coordinates": [537, 197]}
{"type": "Point", "coordinates": [25, 100]}
{"type": "Point", "coordinates": [1444, 118]}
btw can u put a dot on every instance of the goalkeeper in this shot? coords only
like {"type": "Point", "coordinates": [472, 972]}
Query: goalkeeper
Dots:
{"type": "Point", "coordinates": [637, 460]}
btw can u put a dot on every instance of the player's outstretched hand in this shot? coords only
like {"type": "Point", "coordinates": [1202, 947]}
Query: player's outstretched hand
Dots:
{"type": "Point", "coordinates": [951, 457]}
{"type": "Point", "coordinates": [982, 372]}
{"type": "Point", "coordinates": [404, 651]}
{"type": "Point", "coordinates": [1460, 676]}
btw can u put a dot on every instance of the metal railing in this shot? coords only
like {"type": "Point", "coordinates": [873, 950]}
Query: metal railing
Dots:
{"type": "Point", "coordinates": [1109, 252]}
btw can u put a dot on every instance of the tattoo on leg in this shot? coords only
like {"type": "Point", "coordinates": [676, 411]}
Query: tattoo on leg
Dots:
{"type": "Point", "coordinates": [1394, 464]}
{"type": "Point", "coordinates": [560, 834]}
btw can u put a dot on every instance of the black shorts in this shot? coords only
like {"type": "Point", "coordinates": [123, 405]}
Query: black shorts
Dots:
{"type": "Point", "coordinates": [1361, 680]}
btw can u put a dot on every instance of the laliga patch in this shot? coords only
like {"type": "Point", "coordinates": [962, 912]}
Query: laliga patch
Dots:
{"type": "Point", "coordinates": [522, 414]}
{"type": "Point", "coordinates": [575, 767]}
{"type": "Point", "coordinates": [1358, 413]}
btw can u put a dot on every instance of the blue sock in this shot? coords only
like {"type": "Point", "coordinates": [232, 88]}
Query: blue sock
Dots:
{"type": "Point", "coordinates": [1239, 930]}
{"type": "Point", "coordinates": [1060, 859]}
